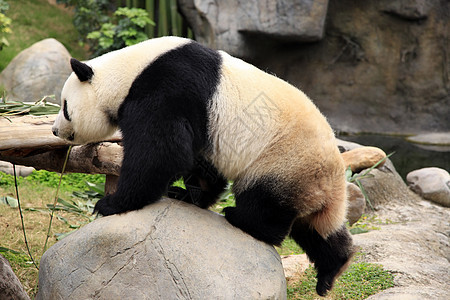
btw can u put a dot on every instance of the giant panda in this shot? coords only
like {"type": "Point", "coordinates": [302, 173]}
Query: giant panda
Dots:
{"type": "Point", "coordinates": [186, 110]}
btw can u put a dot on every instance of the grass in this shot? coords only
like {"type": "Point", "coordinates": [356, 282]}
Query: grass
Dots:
{"type": "Point", "coordinates": [36, 191]}
{"type": "Point", "coordinates": [359, 282]}
{"type": "Point", "coordinates": [35, 20]}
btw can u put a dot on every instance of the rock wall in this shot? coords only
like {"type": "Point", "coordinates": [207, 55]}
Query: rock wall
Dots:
{"type": "Point", "coordinates": [381, 66]}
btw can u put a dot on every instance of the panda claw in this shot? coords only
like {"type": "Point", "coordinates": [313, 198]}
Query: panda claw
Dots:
{"type": "Point", "coordinates": [104, 208]}
{"type": "Point", "coordinates": [323, 286]}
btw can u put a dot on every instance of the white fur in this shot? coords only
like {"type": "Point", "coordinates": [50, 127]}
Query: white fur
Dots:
{"type": "Point", "coordinates": [262, 126]}
{"type": "Point", "coordinates": [114, 73]}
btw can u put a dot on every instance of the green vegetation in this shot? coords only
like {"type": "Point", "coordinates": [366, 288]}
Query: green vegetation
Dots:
{"type": "Point", "coordinates": [356, 177]}
{"type": "Point", "coordinates": [39, 108]}
{"type": "Point", "coordinates": [89, 15]}
{"type": "Point", "coordinates": [37, 193]}
{"type": "Point", "coordinates": [5, 24]}
{"type": "Point", "coordinates": [126, 28]}
{"type": "Point", "coordinates": [72, 181]}
{"type": "Point", "coordinates": [359, 282]}
{"type": "Point", "coordinates": [35, 20]}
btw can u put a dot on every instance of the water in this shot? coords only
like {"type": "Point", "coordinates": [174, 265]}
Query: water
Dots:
{"type": "Point", "coordinates": [408, 156]}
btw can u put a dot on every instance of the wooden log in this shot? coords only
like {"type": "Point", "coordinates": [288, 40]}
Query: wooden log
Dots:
{"type": "Point", "coordinates": [28, 132]}
{"type": "Point", "coordinates": [102, 158]}
{"type": "Point", "coordinates": [32, 132]}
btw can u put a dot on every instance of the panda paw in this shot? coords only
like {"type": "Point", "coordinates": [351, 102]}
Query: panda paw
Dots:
{"type": "Point", "coordinates": [104, 206]}
{"type": "Point", "coordinates": [324, 284]}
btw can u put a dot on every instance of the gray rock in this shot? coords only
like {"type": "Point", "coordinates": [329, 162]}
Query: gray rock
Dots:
{"type": "Point", "coordinates": [10, 286]}
{"type": "Point", "coordinates": [413, 244]}
{"type": "Point", "coordinates": [356, 203]}
{"type": "Point", "coordinates": [432, 138]}
{"type": "Point", "coordinates": [7, 167]}
{"type": "Point", "coordinates": [383, 185]}
{"type": "Point", "coordinates": [294, 266]}
{"type": "Point", "coordinates": [227, 25]}
{"type": "Point", "coordinates": [409, 9]}
{"type": "Point", "coordinates": [432, 184]}
{"type": "Point", "coordinates": [37, 71]}
{"type": "Point", "coordinates": [168, 250]}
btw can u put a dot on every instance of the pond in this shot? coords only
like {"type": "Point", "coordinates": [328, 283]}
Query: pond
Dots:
{"type": "Point", "coordinates": [408, 156]}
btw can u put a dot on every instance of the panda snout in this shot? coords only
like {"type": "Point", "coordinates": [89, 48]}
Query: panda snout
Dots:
{"type": "Point", "coordinates": [55, 131]}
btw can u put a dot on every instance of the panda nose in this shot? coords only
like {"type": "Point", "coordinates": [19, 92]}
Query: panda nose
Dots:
{"type": "Point", "coordinates": [55, 132]}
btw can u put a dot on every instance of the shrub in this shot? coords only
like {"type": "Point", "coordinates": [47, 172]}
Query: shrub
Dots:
{"type": "Point", "coordinates": [89, 15]}
{"type": "Point", "coordinates": [5, 23]}
{"type": "Point", "coordinates": [127, 27]}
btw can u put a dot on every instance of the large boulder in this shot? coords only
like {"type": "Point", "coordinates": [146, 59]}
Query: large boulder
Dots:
{"type": "Point", "coordinates": [231, 25]}
{"type": "Point", "coordinates": [431, 183]}
{"type": "Point", "coordinates": [10, 286]}
{"type": "Point", "coordinates": [168, 250]}
{"type": "Point", "coordinates": [37, 71]}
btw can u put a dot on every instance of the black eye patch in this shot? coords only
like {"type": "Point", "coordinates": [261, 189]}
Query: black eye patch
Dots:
{"type": "Point", "coordinates": [66, 114]}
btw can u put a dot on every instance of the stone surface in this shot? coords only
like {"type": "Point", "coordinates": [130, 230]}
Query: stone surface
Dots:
{"type": "Point", "coordinates": [409, 9]}
{"type": "Point", "coordinates": [37, 71]}
{"type": "Point", "coordinates": [432, 184]}
{"type": "Point", "coordinates": [363, 158]}
{"type": "Point", "coordinates": [385, 185]}
{"type": "Point", "coordinates": [356, 203]}
{"type": "Point", "coordinates": [413, 242]}
{"type": "Point", "coordinates": [10, 286]}
{"type": "Point", "coordinates": [294, 266]}
{"type": "Point", "coordinates": [381, 67]}
{"type": "Point", "coordinates": [7, 168]}
{"type": "Point", "coordinates": [231, 25]}
{"type": "Point", "coordinates": [434, 138]}
{"type": "Point", "coordinates": [168, 250]}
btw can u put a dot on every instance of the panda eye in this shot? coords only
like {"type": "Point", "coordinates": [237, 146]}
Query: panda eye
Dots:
{"type": "Point", "coordinates": [66, 114]}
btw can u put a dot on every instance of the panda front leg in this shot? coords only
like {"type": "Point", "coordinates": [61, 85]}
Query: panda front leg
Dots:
{"type": "Point", "coordinates": [330, 255]}
{"type": "Point", "coordinates": [153, 155]}
{"type": "Point", "coordinates": [203, 185]}
{"type": "Point", "coordinates": [262, 213]}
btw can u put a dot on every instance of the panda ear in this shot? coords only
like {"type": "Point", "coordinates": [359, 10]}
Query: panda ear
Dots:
{"type": "Point", "coordinates": [82, 70]}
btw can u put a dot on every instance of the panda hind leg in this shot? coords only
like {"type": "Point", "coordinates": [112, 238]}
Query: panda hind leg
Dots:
{"type": "Point", "coordinates": [203, 185]}
{"type": "Point", "coordinates": [259, 212]}
{"type": "Point", "coordinates": [331, 255]}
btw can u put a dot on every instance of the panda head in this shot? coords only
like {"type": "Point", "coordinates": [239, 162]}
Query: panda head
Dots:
{"type": "Point", "coordinates": [82, 119]}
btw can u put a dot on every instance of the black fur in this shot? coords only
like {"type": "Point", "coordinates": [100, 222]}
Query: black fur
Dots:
{"type": "Point", "coordinates": [164, 125]}
{"type": "Point", "coordinates": [65, 112]}
{"type": "Point", "coordinates": [262, 213]}
{"type": "Point", "coordinates": [82, 70]}
{"type": "Point", "coordinates": [203, 185]}
{"type": "Point", "coordinates": [328, 255]}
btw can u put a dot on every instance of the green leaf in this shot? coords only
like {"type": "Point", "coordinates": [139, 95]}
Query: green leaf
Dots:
{"type": "Point", "coordinates": [96, 187]}
{"type": "Point", "coordinates": [94, 35]}
{"type": "Point", "coordinates": [4, 249]}
{"type": "Point", "coordinates": [9, 201]}
{"type": "Point", "coordinates": [358, 230]}
{"type": "Point", "coordinates": [348, 174]}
